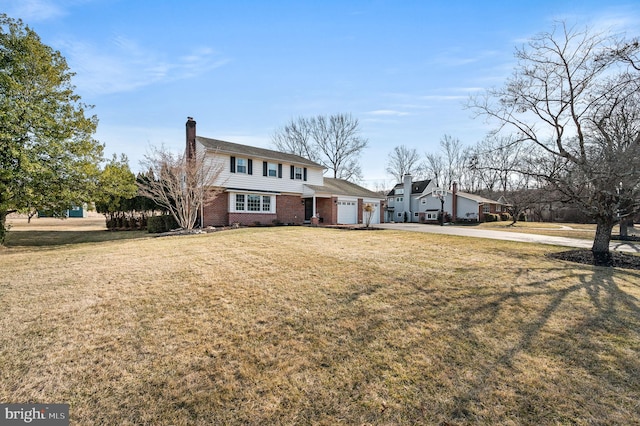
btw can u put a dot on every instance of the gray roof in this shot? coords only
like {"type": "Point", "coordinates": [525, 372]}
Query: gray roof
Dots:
{"type": "Point", "coordinates": [252, 151]}
{"type": "Point", "coordinates": [343, 187]}
{"type": "Point", "coordinates": [478, 198]}
{"type": "Point", "coordinates": [416, 187]}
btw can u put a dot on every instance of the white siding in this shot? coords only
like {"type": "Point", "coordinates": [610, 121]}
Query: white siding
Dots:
{"type": "Point", "coordinates": [467, 209]}
{"type": "Point", "coordinates": [257, 182]}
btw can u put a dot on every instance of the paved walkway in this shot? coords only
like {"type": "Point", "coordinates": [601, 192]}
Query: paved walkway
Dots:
{"type": "Point", "coordinates": [468, 231]}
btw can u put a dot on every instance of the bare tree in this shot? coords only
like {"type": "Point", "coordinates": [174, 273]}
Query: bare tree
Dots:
{"type": "Point", "coordinates": [435, 167]}
{"type": "Point", "coordinates": [404, 160]}
{"type": "Point", "coordinates": [333, 141]}
{"type": "Point", "coordinates": [497, 158]}
{"type": "Point", "coordinates": [566, 100]}
{"type": "Point", "coordinates": [295, 138]}
{"type": "Point", "coordinates": [449, 164]}
{"type": "Point", "coordinates": [454, 160]}
{"type": "Point", "coordinates": [179, 184]}
{"type": "Point", "coordinates": [368, 211]}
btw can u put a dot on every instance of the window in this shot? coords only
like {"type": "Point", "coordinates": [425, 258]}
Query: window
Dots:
{"type": "Point", "coordinates": [486, 208]}
{"type": "Point", "coordinates": [240, 202]}
{"type": "Point", "coordinates": [298, 173]}
{"type": "Point", "coordinates": [272, 170]}
{"type": "Point", "coordinates": [253, 203]}
{"type": "Point", "coordinates": [432, 216]}
{"type": "Point", "coordinates": [241, 165]}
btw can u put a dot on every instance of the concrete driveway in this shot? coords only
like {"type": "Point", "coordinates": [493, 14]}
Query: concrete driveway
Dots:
{"type": "Point", "coordinates": [468, 231]}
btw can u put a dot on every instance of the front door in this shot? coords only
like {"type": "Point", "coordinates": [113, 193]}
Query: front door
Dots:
{"type": "Point", "coordinates": [308, 209]}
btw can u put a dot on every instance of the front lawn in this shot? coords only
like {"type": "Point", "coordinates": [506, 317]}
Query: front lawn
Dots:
{"type": "Point", "coordinates": [294, 325]}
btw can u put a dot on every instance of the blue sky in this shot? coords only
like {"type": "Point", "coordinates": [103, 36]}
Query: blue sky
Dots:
{"type": "Point", "coordinates": [243, 69]}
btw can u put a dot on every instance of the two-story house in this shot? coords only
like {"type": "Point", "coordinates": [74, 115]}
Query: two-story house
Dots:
{"type": "Point", "coordinates": [420, 202]}
{"type": "Point", "coordinates": [263, 186]}
{"type": "Point", "coordinates": [403, 203]}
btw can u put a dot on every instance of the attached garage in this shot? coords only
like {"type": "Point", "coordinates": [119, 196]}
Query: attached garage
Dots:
{"type": "Point", "coordinates": [342, 202]}
{"type": "Point", "coordinates": [347, 212]}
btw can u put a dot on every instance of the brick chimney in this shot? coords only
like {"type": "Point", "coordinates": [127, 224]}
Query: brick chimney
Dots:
{"type": "Point", "coordinates": [454, 201]}
{"type": "Point", "coordinates": [190, 151]}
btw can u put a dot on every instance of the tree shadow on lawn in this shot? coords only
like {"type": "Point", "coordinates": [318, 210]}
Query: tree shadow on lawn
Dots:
{"type": "Point", "coordinates": [597, 353]}
{"type": "Point", "coordinates": [21, 238]}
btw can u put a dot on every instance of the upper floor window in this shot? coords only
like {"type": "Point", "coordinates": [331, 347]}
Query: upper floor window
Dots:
{"type": "Point", "coordinates": [241, 165]}
{"type": "Point", "coordinates": [271, 169]}
{"type": "Point", "coordinates": [299, 173]}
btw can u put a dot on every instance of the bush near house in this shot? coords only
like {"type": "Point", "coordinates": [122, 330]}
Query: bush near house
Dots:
{"type": "Point", "coordinates": [162, 223]}
{"type": "Point", "coordinates": [491, 217]}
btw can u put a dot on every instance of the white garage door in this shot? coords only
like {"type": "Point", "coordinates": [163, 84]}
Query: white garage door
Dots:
{"type": "Point", "coordinates": [347, 212]}
{"type": "Point", "coordinates": [375, 218]}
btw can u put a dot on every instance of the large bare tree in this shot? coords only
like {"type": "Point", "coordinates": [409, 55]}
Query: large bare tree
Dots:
{"type": "Point", "coordinates": [574, 101]}
{"type": "Point", "coordinates": [332, 141]}
{"type": "Point", "coordinates": [449, 164]}
{"type": "Point", "coordinates": [404, 160]}
{"type": "Point", "coordinates": [179, 184]}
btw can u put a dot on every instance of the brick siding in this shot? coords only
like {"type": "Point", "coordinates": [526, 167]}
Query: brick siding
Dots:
{"type": "Point", "coordinates": [216, 212]}
{"type": "Point", "coordinates": [290, 209]}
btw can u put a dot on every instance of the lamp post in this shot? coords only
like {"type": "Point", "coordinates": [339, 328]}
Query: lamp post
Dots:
{"type": "Point", "coordinates": [441, 194]}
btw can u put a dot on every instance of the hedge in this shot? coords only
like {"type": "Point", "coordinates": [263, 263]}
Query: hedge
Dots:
{"type": "Point", "coordinates": [162, 223]}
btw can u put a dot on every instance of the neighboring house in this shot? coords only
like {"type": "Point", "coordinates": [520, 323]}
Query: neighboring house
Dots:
{"type": "Point", "coordinates": [459, 206]}
{"type": "Point", "coordinates": [262, 186]}
{"type": "Point", "coordinates": [75, 211]}
{"type": "Point", "coordinates": [403, 200]}
{"type": "Point", "coordinates": [422, 206]}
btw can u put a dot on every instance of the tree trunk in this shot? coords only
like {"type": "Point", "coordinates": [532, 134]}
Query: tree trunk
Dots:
{"type": "Point", "coordinates": [3, 223]}
{"type": "Point", "coordinates": [600, 248]}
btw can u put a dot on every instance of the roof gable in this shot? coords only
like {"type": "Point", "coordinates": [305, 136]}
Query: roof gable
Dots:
{"type": "Point", "coordinates": [252, 151]}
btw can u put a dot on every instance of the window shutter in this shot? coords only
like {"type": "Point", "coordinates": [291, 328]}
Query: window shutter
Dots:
{"type": "Point", "coordinates": [293, 171]}
{"type": "Point", "coordinates": [280, 171]}
{"type": "Point", "coordinates": [264, 168]}
{"type": "Point", "coordinates": [250, 166]}
{"type": "Point", "coordinates": [233, 164]}
{"type": "Point", "coordinates": [304, 176]}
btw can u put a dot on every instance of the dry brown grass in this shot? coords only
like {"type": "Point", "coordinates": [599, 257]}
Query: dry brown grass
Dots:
{"type": "Point", "coordinates": [318, 326]}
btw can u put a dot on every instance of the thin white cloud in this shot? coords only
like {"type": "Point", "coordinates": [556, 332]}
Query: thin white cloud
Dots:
{"type": "Point", "coordinates": [33, 10]}
{"type": "Point", "coordinates": [124, 65]}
